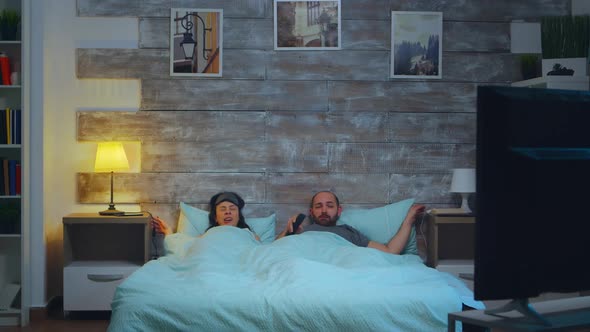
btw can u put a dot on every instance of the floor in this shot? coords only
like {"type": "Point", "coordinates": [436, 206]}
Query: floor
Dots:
{"type": "Point", "coordinates": [75, 322]}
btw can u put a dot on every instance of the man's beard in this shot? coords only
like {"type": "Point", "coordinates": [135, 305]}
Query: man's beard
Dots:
{"type": "Point", "coordinates": [326, 222]}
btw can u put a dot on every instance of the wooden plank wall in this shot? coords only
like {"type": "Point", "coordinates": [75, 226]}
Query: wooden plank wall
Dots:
{"type": "Point", "coordinates": [280, 125]}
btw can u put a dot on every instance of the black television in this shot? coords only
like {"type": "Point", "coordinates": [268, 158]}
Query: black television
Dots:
{"type": "Point", "coordinates": [532, 232]}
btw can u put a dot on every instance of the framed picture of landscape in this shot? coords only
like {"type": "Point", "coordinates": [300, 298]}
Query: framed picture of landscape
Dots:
{"type": "Point", "coordinates": [416, 45]}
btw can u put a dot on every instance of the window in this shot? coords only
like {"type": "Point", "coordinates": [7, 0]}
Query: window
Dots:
{"type": "Point", "coordinates": [313, 12]}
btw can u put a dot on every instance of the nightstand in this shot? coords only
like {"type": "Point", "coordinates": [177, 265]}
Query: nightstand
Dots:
{"type": "Point", "coordinates": [450, 246]}
{"type": "Point", "coordinates": [99, 253]}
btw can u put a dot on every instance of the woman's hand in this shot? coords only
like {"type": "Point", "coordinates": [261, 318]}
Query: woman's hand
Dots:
{"type": "Point", "coordinates": [160, 226]}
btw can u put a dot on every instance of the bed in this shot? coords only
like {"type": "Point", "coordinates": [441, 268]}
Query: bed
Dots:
{"type": "Point", "coordinates": [226, 280]}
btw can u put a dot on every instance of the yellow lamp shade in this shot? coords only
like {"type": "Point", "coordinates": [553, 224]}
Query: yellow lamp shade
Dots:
{"type": "Point", "coordinates": [110, 157]}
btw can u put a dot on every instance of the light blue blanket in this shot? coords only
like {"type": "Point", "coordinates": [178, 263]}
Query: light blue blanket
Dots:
{"type": "Point", "coordinates": [315, 281]}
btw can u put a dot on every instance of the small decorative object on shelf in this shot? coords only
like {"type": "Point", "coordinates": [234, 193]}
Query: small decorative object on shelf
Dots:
{"type": "Point", "coordinates": [10, 217]}
{"type": "Point", "coordinates": [530, 66]}
{"type": "Point", "coordinates": [9, 22]}
{"type": "Point", "coordinates": [564, 43]}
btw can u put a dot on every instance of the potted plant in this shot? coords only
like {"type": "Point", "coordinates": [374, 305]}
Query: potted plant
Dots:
{"type": "Point", "coordinates": [564, 43]}
{"type": "Point", "coordinates": [9, 21]}
{"type": "Point", "coordinates": [530, 66]}
{"type": "Point", "coordinates": [9, 218]}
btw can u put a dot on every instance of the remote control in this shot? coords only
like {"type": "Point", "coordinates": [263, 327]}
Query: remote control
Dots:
{"type": "Point", "coordinates": [297, 222]}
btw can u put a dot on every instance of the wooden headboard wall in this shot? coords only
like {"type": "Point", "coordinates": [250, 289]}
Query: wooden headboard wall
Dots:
{"type": "Point", "coordinates": [280, 125]}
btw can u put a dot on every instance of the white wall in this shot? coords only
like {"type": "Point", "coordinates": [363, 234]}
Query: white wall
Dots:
{"type": "Point", "coordinates": [54, 105]}
{"type": "Point", "coordinates": [581, 7]}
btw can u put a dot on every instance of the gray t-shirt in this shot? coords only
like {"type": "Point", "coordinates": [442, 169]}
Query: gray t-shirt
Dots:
{"type": "Point", "coordinates": [349, 233]}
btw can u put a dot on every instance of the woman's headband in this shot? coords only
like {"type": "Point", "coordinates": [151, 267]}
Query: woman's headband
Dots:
{"type": "Point", "coordinates": [229, 197]}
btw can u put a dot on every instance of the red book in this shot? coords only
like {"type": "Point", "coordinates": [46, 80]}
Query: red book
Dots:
{"type": "Point", "coordinates": [6, 179]}
{"type": "Point", "coordinates": [5, 68]}
{"type": "Point", "coordinates": [18, 179]}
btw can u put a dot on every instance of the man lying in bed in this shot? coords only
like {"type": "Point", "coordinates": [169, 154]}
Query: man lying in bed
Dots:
{"type": "Point", "coordinates": [324, 211]}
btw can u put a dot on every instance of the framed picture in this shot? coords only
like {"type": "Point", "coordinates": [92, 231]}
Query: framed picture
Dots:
{"type": "Point", "coordinates": [196, 39]}
{"type": "Point", "coordinates": [416, 45]}
{"type": "Point", "coordinates": [307, 25]}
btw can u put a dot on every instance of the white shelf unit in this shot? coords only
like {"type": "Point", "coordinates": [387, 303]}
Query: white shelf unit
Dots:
{"type": "Point", "coordinates": [14, 234]}
{"type": "Point", "coordinates": [556, 82]}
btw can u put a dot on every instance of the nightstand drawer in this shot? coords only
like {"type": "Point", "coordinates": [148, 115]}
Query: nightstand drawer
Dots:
{"type": "Point", "coordinates": [90, 285]}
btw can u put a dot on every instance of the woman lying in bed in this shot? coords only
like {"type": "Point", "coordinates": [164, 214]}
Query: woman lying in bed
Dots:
{"type": "Point", "coordinates": [225, 209]}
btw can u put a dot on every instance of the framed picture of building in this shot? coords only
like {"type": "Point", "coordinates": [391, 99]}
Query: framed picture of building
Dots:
{"type": "Point", "coordinates": [307, 25]}
{"type": "Point", "coordinates": [416, 45]}
{"type": "Point", "coordinates": [196, 39]}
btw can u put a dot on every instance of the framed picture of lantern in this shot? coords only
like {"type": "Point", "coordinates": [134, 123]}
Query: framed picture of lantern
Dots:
{"type": "Point", "coordinates": [196, 42]}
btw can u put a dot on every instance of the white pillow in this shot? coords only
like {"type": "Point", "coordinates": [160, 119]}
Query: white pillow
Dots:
{"type": "Point", "coordinates": [382, 223]}
{"type": "Point", "coordinates": [194, 221]}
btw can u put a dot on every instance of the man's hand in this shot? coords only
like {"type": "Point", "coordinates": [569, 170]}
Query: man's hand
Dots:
{"type": "Point", "coordinates": [160, 226]}
{"type": "Point", "coordinates": [289, 227]}
{"type": "Point", "coordinates": [414, 211]}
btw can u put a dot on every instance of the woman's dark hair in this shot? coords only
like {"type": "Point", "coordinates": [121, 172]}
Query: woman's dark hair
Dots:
{"type": "Point", "coordinates": [226, 196]}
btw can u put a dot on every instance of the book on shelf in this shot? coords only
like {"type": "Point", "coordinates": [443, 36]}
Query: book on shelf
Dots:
{"type": "Point", "coordinates": [17, 126]}
{"type": "Point", "coordinates": [7, 116]}
{"type": "Point", "coordinates": [3, 139]}
{"type": "Point", "coordinates": [5, 68]}
{"type": "Point", "coordinates": [10, 126]}
{"type": "Point", "coordinates": [6, 188]}
{"type": "Point", "coordinates": [17, 179]}
{"type": "Point", "coordinates": [10, 177]}
{"type": "Point", "coordinates": [2, 178]}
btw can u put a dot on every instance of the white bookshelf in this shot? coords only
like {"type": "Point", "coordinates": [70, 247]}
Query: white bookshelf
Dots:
{"type": "Point", "coordinates": [14, 234]}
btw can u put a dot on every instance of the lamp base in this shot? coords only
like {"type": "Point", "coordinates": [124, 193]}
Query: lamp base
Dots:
{"type": "Point", "coordinates": [111, 211]}
{"type": "Point", "coordinates": [465, 203]}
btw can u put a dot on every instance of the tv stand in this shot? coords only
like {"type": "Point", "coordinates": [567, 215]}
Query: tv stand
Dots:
{"type": "Point", "coordinates": [562, 315]}
{"type": "Point", "coordinates": [522, 306]}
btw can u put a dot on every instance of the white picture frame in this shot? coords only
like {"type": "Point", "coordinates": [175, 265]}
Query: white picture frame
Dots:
{"type": "Point", "coordinates": [203, 26]}
{"type": "Point", "coordinates": [307, 25]}
{"type": "Point", "coordinates": [416, 45]}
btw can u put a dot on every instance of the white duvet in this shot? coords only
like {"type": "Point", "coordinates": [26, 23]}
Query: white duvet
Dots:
{"type": "Point", "coordinates": [315, 281]}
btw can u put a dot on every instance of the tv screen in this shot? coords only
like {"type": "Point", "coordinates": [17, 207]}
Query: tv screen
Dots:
{"type": "Point", "coordinates": [533, 185]}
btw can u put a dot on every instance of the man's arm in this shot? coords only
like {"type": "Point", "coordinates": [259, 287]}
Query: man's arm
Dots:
{"type": "Point", "coordinates": [399, 240]}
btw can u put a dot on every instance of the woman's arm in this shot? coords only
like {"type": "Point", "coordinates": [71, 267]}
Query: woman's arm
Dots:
{"type": "Point", "coordinates": [160, 226]}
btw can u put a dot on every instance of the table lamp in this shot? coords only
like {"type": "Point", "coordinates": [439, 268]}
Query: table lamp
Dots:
{"type": "Point", "coordinates": [110, 157]}
{"type": "Point", "coordinates": [463, 183]}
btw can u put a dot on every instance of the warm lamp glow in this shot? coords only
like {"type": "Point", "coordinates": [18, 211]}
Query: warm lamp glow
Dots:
{"type": "Point", "coordinates": [110, 157]}
{"type": "Point", "coordinates": [463, 183]}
